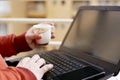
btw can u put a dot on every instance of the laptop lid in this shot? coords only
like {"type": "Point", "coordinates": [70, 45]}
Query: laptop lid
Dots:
{"type": "Point", "coordinates": [94, 36]}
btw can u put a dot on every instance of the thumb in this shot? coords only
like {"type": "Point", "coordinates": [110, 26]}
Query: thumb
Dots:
{"type": "Point", "coordinates": [34, 36]}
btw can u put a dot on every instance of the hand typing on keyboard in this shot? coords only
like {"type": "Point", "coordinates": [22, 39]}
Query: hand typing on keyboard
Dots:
{"type": "Point", "coordinates": [36, 65]}
{"type": "Point", "coordinates": [115, 77]}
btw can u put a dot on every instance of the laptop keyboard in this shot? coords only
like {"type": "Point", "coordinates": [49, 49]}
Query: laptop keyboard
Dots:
{"type": "Point", "coordinates": [61, 63]}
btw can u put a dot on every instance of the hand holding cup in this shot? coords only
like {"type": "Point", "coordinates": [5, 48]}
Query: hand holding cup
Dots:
{"type": "Point", "coordinates": [45, 31]}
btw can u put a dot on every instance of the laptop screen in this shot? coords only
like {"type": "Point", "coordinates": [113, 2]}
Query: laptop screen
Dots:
{"type": "Point", "coordinates": [96, 32]}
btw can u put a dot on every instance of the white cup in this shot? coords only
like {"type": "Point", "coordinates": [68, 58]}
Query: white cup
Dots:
{"type": "Point", "coordinates": [44, 30]}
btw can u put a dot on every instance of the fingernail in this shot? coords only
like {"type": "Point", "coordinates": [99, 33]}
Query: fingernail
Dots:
{"type": "Point", "coordinates": [50, 65]}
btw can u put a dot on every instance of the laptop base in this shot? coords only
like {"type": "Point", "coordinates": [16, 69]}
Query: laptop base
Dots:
{"type": "Point", "coordinates": [87, 73]}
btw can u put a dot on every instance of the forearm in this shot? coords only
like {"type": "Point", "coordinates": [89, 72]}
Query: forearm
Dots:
{"type": "Point", "coordinates": [6, 45]}
{"type": "Point", "coordinates": [14, 73]}
{"type": "Point", "coordinates": [20, 43]}
{"type": "Point", "coordinates": [12, 44]}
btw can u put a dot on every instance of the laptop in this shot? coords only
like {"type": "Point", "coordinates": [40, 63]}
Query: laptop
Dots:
{"type": "Point", "coordinates": [91, 47]}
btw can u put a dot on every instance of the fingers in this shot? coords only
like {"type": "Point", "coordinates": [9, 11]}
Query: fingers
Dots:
{"type": "Point", "coordinates": [23, 61]}
{"type": "Point", "coordinates": [36, 65]}
{"type": "Point", "coordinates": [50, 23]}
{"type": "Point", "coordinates": [46, 68]}
{"type": "Point", "coordinates": [35, 58]}
{"type": "Point", "coordinates": [40, 62]}
{"type": "Point", "coordinates": [33, 36]}
{"type": "Point", "coordinates": [52, 31]}
{"type": "Point", "coordinates": [53, 35]}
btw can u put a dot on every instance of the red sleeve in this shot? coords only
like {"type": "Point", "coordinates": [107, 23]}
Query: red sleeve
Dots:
{"type": "Point", "coordinates": [16, 73]}
{"type": "Point", "coordinates": [12, 44]}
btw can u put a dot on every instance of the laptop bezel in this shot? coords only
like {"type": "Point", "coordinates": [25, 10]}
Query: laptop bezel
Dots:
{"type": "Point", "coordinates": [108, 67]}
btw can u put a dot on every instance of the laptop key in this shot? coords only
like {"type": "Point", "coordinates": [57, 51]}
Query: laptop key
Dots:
{"type": "Point", "coordinates": [61, 63]}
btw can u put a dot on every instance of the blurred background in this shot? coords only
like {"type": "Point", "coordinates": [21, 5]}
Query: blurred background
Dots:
{"type": "Point", "coordinates": [17, 16]}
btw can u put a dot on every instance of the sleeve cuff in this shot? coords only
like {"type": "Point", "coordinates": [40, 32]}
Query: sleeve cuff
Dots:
{"type": "Point", "coordinates": [21, 44]}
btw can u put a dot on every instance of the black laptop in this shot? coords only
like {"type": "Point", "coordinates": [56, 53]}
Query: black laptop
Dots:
{"type": "Point", "coordinates": [91, 47]}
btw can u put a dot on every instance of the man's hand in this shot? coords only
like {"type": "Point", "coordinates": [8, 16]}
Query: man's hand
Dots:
{"type": "Point", "coordinates": [36, 65]}
{"type": "Point", "coordinates": [32, 37]}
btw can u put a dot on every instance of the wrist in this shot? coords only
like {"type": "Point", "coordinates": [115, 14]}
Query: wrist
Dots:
{"type": "Point", "coordinates": [20, 40]}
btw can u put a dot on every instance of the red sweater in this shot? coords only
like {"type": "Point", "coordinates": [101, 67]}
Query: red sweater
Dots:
{"type": "Point", "coordinates": [11, 45]}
